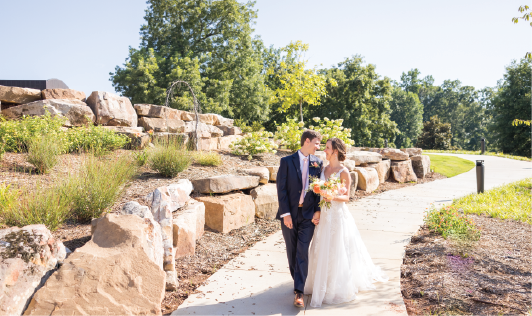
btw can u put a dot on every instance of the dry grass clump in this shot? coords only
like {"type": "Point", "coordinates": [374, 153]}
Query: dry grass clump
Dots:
{"type": "Point", "coordinates": [43, 152]}
{"type": "Point", "coordinates": [169, 158]}
{"type": "Point", "coordinates": [207, 158]}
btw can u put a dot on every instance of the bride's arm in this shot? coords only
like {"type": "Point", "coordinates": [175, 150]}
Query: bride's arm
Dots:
{"type": "Point", "coordinates": [345, 178]}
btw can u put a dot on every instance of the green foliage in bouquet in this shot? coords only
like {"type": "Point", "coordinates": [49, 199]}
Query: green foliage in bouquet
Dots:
{"type": "Point", "coordinates": [254, 143]}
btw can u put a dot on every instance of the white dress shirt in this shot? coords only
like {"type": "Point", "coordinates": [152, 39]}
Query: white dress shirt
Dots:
{"type": "Point", "coordinates": [301, 166]}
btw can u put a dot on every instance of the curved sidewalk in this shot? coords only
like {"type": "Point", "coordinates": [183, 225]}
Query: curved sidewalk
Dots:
{"type": "Point", "coordinates": [258, 282]}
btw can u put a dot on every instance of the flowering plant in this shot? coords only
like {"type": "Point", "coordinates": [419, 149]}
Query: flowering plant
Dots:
{"type": "Point", "coordinates": [332, 128]}
{"type": "Point", "coordinates": [254, 143]}
{"type": "Point", "coordinates": [289, 134]}
{"type": "Point", "coordinates": [328, 189]}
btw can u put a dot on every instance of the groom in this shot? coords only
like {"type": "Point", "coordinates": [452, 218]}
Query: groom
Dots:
{"type": "Point", "coordinates": [298, 210]}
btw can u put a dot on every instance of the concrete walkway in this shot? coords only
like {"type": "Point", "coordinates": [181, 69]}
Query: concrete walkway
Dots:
{"type": "Point", "coordinates": [258, 282]}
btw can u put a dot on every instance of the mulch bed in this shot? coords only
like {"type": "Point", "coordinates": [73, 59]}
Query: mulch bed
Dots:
{"type": "Point", "coordinates": [213, 250]}
{"type": "Point", "coordinates": [494, 279]}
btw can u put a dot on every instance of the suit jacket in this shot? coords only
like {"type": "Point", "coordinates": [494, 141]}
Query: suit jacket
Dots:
{"type": "Point", "coordinates": [290, 184]}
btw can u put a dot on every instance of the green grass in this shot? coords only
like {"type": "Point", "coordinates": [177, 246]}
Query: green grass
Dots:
{"type": "Point", "coordinates": [450, 166]}
{"type": "Point", "coordinates": [510, 201]}
{"type": "Point", "coordinates": [469, 152]}
{"type": "Point", "coordinates": [207, 158]}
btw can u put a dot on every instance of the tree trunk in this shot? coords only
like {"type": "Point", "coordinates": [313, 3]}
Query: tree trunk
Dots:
{"type": "Point", "coordinates": [301, 109]}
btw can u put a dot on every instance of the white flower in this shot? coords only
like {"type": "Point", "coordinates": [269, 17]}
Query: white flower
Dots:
{"type": "Point", "coordinates": [301, 124]}
{"type": "Point", "coordinates": [340, 121]}
{"type": "Point", "coordinates": [326, 119]}
{"type": "Point", "coordinates": [311, 126]}
{"type": "Point", "coordinates": [316, 119]}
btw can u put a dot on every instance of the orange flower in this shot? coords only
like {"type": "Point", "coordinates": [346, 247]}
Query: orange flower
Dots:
{"type": "Point", "coordinates": [316, 189]}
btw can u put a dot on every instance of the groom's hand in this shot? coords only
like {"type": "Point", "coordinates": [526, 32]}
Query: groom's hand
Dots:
{"type": "Point", "coordinates": [288, 221]}
{"type": "Point", "coordinates": [316, 218]}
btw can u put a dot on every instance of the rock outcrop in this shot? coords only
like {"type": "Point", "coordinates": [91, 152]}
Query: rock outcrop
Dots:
{"type": "Point", "coordinates": [273, 172]}
{"type": "Point", "coordinates": [402, 171]}
{"type": "Point", "coordinates": [111, 274]}
{"type": "Point", "coordinates": [354, 184]}
{"type": "Point", "coordinates": [76, 112]}
{"type": "Point", "coordinates": [111, 109]}
{"type": "Point", "coordinates": [261, 172]}
{"type": "Point", "coordinates": [162, 125]}
{"type": "Point", "coordinates": [361, 157]}
{"type": "Point", "coordinates": [394, 154]}
{"type": "Point", "coordinates": [266, 202]}
{"type": "Point", "coordinates": [227, 212]}
{"type": "Point", "coordinates": [421, 165]}
{"type": "Point", "coordinates": [28, 256]}
{"type": "Point", "coordinates": [225, 183]}
{"type": "Point", "coordinates": [18, 95]}
{"type": "Point", "coordinates": [65, 94]}
{"type": "Point", "coordinates": [188, 227]}
{"type": "Point", "coordinates": [383, 169]}
{"type": "Point", "coordinates": [412, 151]}
{"type": "Point", "coordinates": [368, 179]}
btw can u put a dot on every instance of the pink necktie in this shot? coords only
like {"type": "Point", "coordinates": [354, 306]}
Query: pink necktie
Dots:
{"type": "Point", "coordinates": [304, 178]}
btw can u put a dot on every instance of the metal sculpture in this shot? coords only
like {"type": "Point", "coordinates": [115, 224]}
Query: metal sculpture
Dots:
{"type": "Point", "coordinates": [194, 107]}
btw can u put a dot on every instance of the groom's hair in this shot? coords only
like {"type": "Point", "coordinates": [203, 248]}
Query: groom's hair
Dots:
{"type": "Point", "coordinates": [310, 134]}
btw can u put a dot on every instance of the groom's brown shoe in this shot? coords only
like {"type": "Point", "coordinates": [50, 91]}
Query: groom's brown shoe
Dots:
{"type": "Point", "coordinates": [298, 300]}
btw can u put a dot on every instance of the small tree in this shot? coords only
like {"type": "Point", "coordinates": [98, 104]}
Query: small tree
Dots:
{"type": "Point", "coordinates": [435, 134]}
{"type": "Point", "coordinates": [298, 84]}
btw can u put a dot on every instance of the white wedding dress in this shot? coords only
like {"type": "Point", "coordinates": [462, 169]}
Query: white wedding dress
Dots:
{"type": "Point", "coordinates": [339, 263]}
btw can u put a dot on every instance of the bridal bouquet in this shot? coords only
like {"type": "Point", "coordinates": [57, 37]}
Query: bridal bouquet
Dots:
{"type": "Point", "coordinates": [328, 189]}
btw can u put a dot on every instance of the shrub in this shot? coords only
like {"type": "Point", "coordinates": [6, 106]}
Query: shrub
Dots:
{"type": "Point", "coordinates": [141, 157]}
{"type": "Point", "coordinates": [332, 128]}
{"type": "Point", "coordinates": [170, 158]}
{"type": "Point", "coordinates": [8, 197]}
{"type": "Point", "coordinates": [43, 152]}
{"type": "Point", "coordinates": [254, 143]}
{"type": "Point", "coordinates": [254, 127]}
{"type": "Point", "coordinates": [448, 221]}
{"type": "Point", "coordinates": [289, 134]}
{"type": "Point", "coordinates": [435, 135]}
{"type": "Point", "coordinates": [15, 134]}
{"type": "Point", "coordinates": [97, 185]}
{"type": "Point", "coordinates": [95, 139]}
{"type": "Point", "coordinates": [207, 158]}
{"type": "Point", "coordinates": [40, 205]}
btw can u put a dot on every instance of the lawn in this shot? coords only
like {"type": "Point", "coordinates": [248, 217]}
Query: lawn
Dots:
{"type": "Point", "coordinates": [510, 201]}
{"type": "Point", "coordinates": [450, 166]}
{"type": "Point", "coordinates": [469, 152]}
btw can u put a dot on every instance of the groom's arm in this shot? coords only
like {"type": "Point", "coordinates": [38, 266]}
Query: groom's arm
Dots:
{"type": "Point", "coordinates": [317, 207]}
{"type": "Point", "coordinates": [282, 189]}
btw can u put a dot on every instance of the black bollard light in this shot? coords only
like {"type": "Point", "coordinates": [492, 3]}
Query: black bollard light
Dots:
{"type": "Point", "coordinates": [385, 143]}
{"type": "Point", "coordinates": [480, 176]}
{"type": "Point", "coordinates": [482, 146]}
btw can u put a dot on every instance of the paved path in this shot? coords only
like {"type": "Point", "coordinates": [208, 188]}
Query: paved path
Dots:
{"type": "Point", "coordinates": [257, 282]}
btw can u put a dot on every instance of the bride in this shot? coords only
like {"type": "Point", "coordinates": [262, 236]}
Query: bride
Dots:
{"type": "Point", "coordinates": [339, 263]}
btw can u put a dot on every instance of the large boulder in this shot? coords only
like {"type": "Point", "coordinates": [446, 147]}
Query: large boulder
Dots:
{"type": "Point", "coordinates": [158, 111]}
{"type": "Point", "coordinates": [349, 164]}
{"type": "Point", "coordinates": [227, 212]}
{"type": "Point", "coordinates": [262, 172]}
{"type": "Point", "coordinates": [222, 121]}
{"type": "Point", "coordinates": [111, 274]}
{"type": "Point", "coordinates": [368, 179]}
{"type": "Point", "coordinates": [226, 141]}
{"type": "Point", "coordinates": [206, 144]}
{"type": "Point", "coordinates": [188, 227]}
{"type": "Point", "coordinates": [68, 94]}
{"type": "Point", "coordinates": [402, 171]}
{"type": "Point", "coordinates": [421, 165]}
{"type": "Point", "coordinates": [273, 172]}
{"type": "Point", "coordinates": [230, 130]}
{"type": "Point", "coordinates": [76, 112]}
{"type": "Point", "coordinates": [138, 139]}
{"type": "Point", "coordinates": [112, 110]}
{"type": "Point", "coordinates": [162, 125]}
{"type": "Point", "coordinates": [266, 202]}
{"type": "Point", "coordinates": [225, 183]}
{"type": "Point", "coordinates": [28, 256]}
{"type": "Point", "coordinates": [383, 169]}
{"type": "Point", "coordinates": [18, 95]}
{"type": "Point", "coordinates": [361, 157]}
{"type": "Point", "coordinates": [153, 231]}
{"type": "Point", "coordinates": [412, 151]}
{"type": "Point", "coordinates": [394, 154]}
{"type": "Point", "coordinates": [204, 130]}
{"type": "Point", "coordinates": [163, 137]}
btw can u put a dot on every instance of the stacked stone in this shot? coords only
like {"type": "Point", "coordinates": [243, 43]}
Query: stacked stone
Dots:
{"type": "Point", "coordinates": [214, 131]}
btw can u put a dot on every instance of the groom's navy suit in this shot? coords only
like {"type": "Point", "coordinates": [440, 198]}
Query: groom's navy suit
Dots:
{"type": "Point", "coordinates": [297, 239]}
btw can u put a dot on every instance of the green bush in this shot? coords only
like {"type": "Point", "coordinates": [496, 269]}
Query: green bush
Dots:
{"type": "Point", "coordinates": [40, 205]}
{"type": "Point", "coordinates": [141, 157]}
{"type": "Point", "coordinates": [94, 139]}
{"type": "Point", "coordinates": [97, 185]}
{"type": "Point", "coordinates": [15, 134]}
{"type": "Point", "coordinates": [289, 134]}
{"type": "Point", "coordinates": [8, 197]}
{"type": "Point", "coordinates": [254, 143]}
{"type": "Point", "coordinates": [210, 158]}
{"type": "Point", "coordinates": [254, 127]}
{"type": "Point", "coordinates": [448, 221]}
{"type": "Point", "coordinates": [43, 152]}
{"type": "Point", "coordinates": [170, 158]}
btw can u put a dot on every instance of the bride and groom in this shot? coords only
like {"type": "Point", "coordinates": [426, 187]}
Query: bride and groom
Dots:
{"type": "Point", "coordinates": [337, 265]}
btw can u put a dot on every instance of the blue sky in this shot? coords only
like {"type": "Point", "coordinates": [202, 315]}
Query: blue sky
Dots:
{"type": "Point", "coordinates": [80, 42]}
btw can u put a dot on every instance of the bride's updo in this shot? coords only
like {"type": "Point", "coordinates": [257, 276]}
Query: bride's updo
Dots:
{"type": "Point", "coordinates": [339, 145]}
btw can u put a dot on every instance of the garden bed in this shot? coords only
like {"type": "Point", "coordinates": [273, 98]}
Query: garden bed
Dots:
{"type": "Point", "coordinates": [493, 279]}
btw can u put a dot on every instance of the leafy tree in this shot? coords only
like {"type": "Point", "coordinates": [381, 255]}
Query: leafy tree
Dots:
{"type": "Point", "coordinates": [513, 101]}
{"type": "Point", "coordinates": [361, 98]}
{"type": "Point", "coordinates": [298, 85]}
{"type": "Point", "coordinates": [407, 112]}
{"type": "Point", "coordinates": [526, 17]}
{"type": "Point", "coordinates": [206, 43]}
{"type": "Point", "coordinates": [435, 135]}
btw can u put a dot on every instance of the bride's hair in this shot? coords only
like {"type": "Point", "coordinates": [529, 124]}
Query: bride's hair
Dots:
{"type": "Point", "coordinates": [339, 145]}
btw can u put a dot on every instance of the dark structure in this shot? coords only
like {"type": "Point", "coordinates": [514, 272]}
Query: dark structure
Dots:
{"type": "Point", "coordinates": [35, 84]}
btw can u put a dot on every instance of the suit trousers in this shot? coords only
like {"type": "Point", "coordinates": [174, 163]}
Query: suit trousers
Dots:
{"type": "Point", "coordinates": [297, 242]}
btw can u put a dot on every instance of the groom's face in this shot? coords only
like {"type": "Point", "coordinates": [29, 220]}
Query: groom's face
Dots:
{"type": "Point", "coordinates": [313, 145]}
